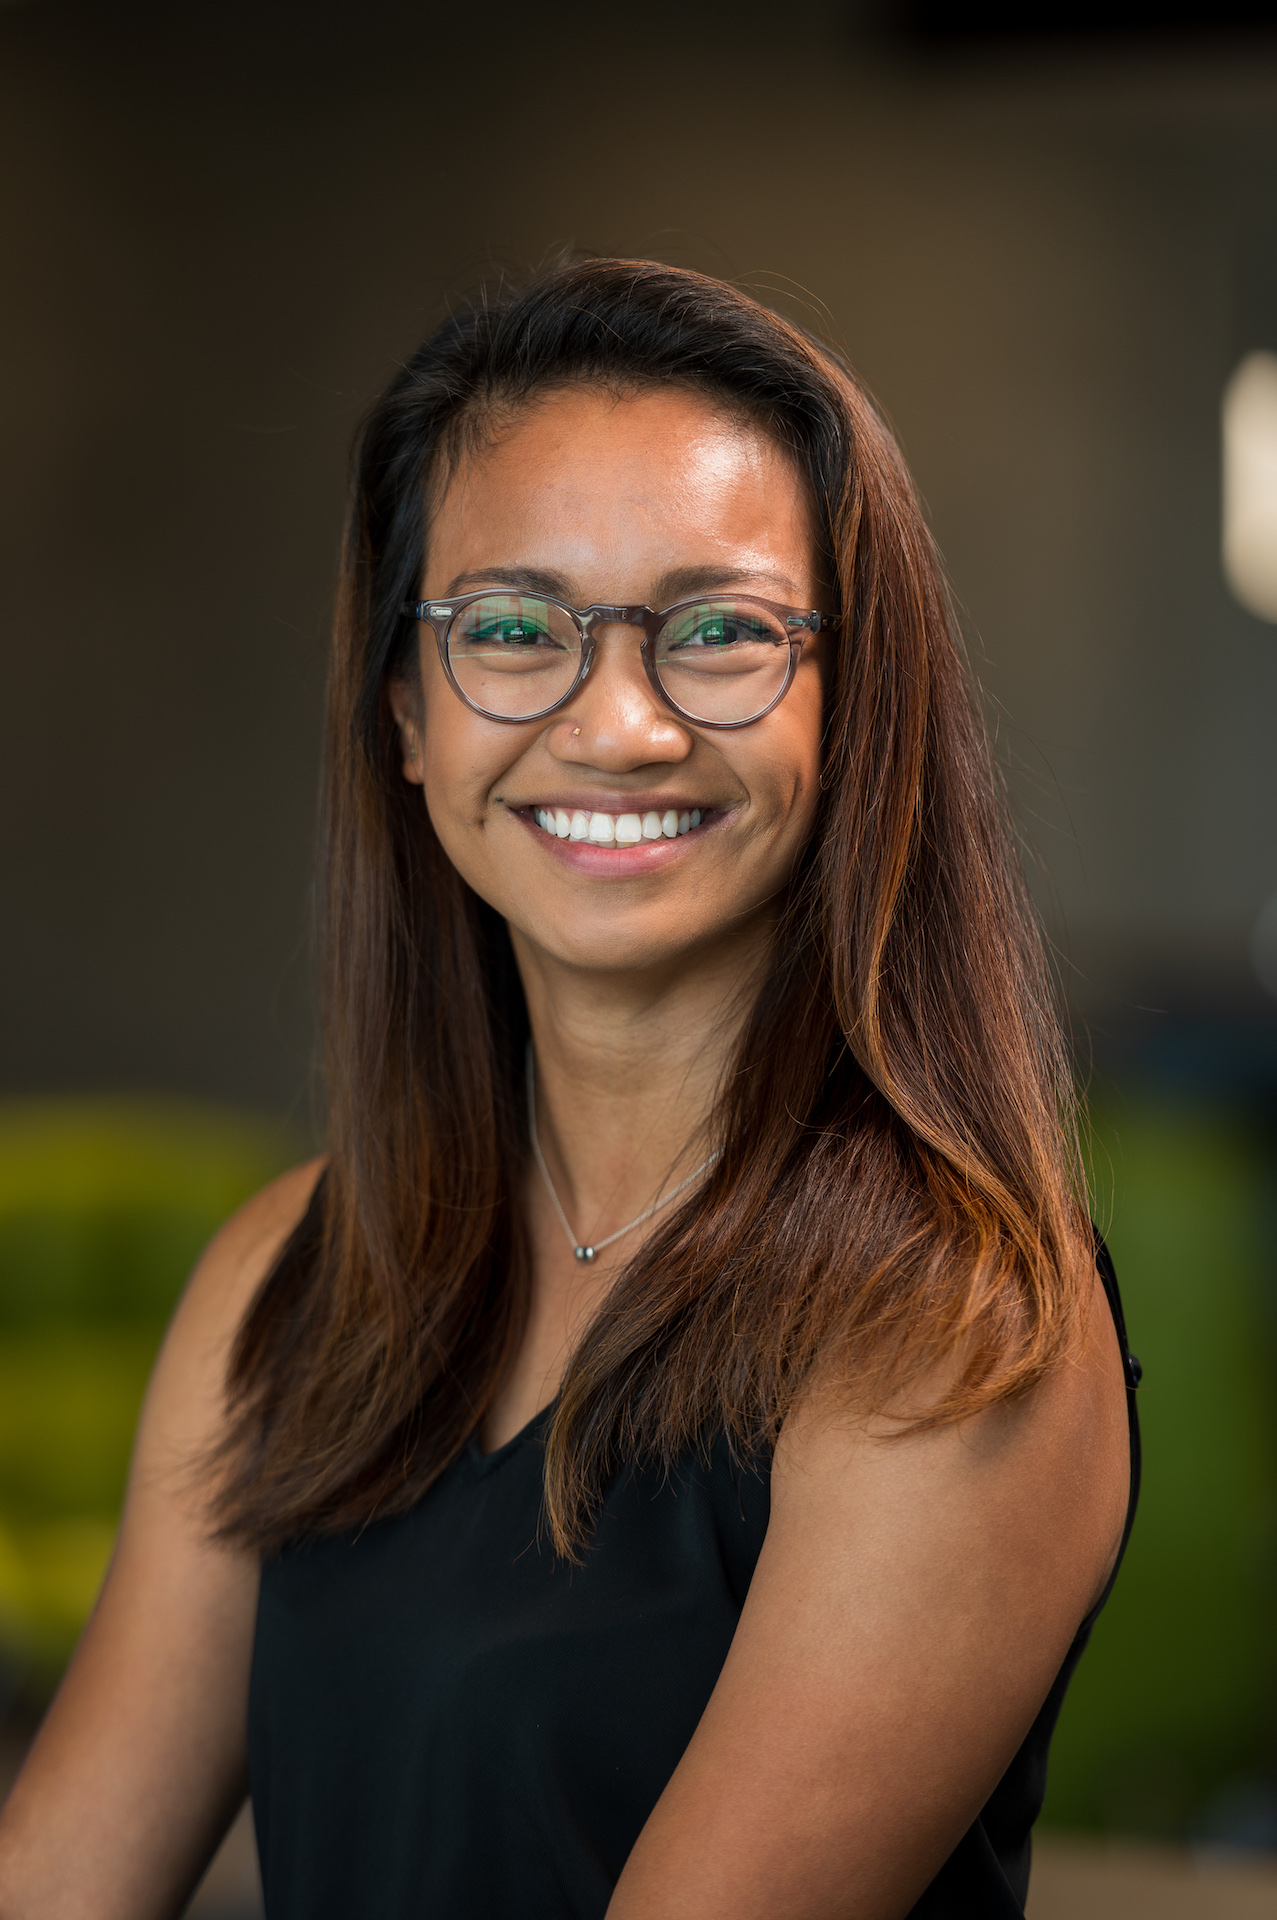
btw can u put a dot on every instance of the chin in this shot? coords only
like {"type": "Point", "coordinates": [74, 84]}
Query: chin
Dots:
{"type": "Point", "coordinates": [607, 948]}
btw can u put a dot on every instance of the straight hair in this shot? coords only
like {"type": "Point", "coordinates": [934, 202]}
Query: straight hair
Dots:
{"type": "Point", "coordinates": [898, 1188]}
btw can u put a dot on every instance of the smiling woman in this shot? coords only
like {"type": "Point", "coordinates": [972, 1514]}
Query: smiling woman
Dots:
{"type": "Point", "coordinates": [667, 1459]}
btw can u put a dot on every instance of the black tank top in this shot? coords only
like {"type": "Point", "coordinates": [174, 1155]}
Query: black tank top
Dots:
{"type": "Point", "coordinates": [446, 1721]}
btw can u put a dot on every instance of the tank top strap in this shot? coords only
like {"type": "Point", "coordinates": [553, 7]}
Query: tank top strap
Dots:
{"type": "Point", "coordinates": [1133, 1373]}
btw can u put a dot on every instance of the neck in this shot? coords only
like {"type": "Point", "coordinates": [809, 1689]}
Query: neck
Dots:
{"type": "Point", "coordinates": [628, 1068]}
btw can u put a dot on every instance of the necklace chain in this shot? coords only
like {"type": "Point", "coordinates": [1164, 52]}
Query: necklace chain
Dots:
{"type": "Point", "coordinates": [583, 1252]}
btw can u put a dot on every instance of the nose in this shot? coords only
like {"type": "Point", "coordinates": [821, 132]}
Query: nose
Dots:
{"type": "Point", "coordinates": [615, 721]}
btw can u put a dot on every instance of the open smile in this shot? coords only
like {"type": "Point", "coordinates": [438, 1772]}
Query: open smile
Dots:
{"type": "Point", "coordinates": [602, 829]}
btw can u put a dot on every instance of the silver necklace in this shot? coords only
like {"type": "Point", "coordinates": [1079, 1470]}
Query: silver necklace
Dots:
{"type": "Point", "coordinates": [588, 1253]}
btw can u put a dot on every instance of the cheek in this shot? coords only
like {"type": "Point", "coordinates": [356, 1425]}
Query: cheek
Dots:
{"type": "Point", "coordinates": [809, 727]}
{"type": "Point", "coordinates": [454, 781]}
{"type": "Point", "coordinates": [454, 804]}
{"type": "Point", "coordinates": [464, 760]}
{"type": "Point", "coordinates": [454, 759]}
{"type": "Point", "coordinates": [788, 759]}
{"type": "Point", "coordinates": [451, 774]}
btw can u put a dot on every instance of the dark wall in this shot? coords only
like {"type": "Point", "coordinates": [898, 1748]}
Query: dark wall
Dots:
{"type": "Point", "coordinates": [221, 231]}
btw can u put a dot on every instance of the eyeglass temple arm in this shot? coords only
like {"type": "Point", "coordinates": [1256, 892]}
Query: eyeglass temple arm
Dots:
{"type": "Point", "coordinates": [814, 622]}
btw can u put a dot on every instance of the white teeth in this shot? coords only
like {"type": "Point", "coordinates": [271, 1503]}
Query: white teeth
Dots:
{"type": "Point", "coordinates": [619, 830]}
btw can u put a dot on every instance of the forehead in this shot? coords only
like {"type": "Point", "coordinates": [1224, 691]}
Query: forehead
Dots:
{"type": "Point", "coordinates": [582, 468]}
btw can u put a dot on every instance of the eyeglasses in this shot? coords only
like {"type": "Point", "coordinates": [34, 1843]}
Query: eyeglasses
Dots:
{"type": "Point", "coordinates": [720, 662]}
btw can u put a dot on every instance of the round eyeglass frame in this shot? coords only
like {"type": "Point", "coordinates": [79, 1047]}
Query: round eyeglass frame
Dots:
{"type": "Point", "coordinates": [799, 623]}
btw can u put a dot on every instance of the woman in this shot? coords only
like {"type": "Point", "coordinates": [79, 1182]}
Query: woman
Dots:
{"type": "Point", "coordinates": [667, 1460]}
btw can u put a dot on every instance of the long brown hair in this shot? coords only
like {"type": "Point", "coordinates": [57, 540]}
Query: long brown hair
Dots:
{"type": "Point", "coordinates": [898, 1176]}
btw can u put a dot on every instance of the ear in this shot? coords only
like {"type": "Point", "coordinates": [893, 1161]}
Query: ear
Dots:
{"type": "Point", "coordinates": [405, 704]}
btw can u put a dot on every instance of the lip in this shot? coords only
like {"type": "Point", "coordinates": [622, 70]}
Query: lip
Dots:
{"type": "Point", "coordinates": [618, 863]}
{"type": "Point", "coordinates": [609, 800]}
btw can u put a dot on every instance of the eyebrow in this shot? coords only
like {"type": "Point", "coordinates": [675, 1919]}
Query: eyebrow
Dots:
{"type": "Point", "coordinates": [680, 583]}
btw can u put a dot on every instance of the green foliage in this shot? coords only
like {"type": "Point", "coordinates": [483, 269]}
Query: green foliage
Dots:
{"type": "Point", "coordinates": [1177, 1692]}
{"type": "Point", "coordinates": [105, 1206]}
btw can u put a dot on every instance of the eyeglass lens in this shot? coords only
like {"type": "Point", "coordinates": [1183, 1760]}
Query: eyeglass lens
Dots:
{"type": "Point", "coordinates": [514, 655]}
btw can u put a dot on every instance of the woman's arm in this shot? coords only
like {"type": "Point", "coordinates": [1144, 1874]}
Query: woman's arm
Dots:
{"type": "Point", "coordinates": [912, 1604]}
{"type": "Point", "coordinates": [142, 1761]}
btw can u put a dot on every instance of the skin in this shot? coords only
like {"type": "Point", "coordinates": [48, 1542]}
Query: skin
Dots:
{"type": "Point", "coordinates": [629, 957]}
{"type": "Point", "coordinates": [914, 1596]}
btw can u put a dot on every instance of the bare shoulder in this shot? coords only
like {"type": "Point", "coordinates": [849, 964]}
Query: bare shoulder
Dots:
{"type": "Point", "coordinates": [241, 1253]}
{"type": "Point", "coordinates": [915, 1596]}
{"type": "Point", "coordinates": [1047, 1474]}
{"type": "Point", "coordinates": [186, 1399]}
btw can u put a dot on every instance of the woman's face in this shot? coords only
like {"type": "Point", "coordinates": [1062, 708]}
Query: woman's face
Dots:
{"type": "Point", "coordinates": [646, 500]}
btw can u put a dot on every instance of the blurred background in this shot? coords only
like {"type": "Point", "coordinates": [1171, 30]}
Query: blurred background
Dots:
{"type": "Point", "coordinates": [1047, 237]}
